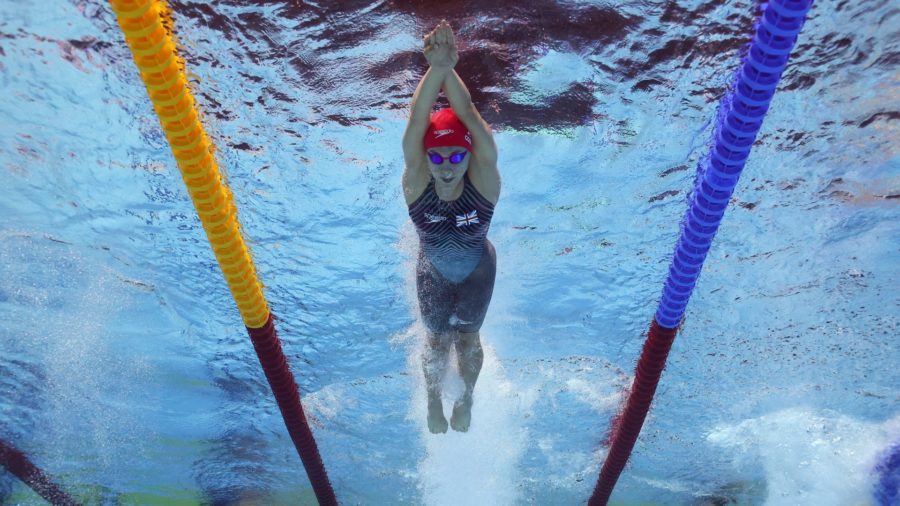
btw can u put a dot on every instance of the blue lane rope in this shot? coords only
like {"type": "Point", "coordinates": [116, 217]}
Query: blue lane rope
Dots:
{"type": "Point", "coordinates": [740, 119]}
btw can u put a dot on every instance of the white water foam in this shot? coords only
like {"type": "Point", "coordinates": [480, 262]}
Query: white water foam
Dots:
{"type": "Point", "coordinates": [479, 466]}
{"type": "Point", "coordinates": [822, 458]}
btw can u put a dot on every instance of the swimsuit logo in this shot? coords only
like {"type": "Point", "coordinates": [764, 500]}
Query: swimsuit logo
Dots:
{"type": "Point", "coordinates": [433, 218]}
{"type": "Point", "coordinates": [440, 133]}
{"type": "Point", "coordinates": [469, 137]}
{"type": "Point", "coordinates": [469, 218]}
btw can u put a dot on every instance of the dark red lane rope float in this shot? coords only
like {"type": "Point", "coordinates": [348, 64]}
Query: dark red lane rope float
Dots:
{"type": "Point", "coordinates": [18, 464]}
{"type": "Point", "coordinates": [627, 425]}
{"type": "Point", "coordinates": [281, 380]}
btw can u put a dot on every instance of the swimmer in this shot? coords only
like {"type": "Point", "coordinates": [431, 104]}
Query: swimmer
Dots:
{"type": "Point", "coordinates": [451, 185]}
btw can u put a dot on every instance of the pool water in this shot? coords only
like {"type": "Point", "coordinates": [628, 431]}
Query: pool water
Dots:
{"type": "Point", "coordinates": [125, 370]}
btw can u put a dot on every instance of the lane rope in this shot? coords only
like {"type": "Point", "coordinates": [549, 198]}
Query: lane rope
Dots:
{"type": "Point", "coordinates": [741, 116]}
{"type": "Point", "coordinates": [143, 23]}
{"type": "Point", "coordinates": [19, 466]}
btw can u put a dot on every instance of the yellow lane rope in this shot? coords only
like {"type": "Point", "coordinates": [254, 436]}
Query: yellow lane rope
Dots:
{"type": "Point", "coordinates": [161, 70]}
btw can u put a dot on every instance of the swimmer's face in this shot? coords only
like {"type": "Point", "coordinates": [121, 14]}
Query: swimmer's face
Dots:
{"type": "Point", "coordinates": [447, 175]}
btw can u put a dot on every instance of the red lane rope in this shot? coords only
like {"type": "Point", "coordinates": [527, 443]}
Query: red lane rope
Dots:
{"type": "Point", "coordinates": [627, 425]}
{"type": "Point", "coordinates": [281, 380]}
{"type": "Point", "coordinates": [18, 464]}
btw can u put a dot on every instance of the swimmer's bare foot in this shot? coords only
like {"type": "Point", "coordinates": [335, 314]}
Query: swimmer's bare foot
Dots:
{"type": "Point", "coordinates": [437, 424]}
{"type": "Point", "coordinates": [462, 415]}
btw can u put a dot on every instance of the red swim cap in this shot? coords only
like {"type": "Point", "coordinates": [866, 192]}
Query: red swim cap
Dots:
{"type": "Point", "coordinates": [445, 129]}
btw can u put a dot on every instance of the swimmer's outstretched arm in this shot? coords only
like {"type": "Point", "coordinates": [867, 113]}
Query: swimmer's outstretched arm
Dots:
{"type": "Point", "coordinates": [483, 144]}
{"type": "Point", "coordinates": [483, 169]}
{"type": "Point", "coordinates": [420, 110]}
{"type": "Point", "coordinates": [441, 61]}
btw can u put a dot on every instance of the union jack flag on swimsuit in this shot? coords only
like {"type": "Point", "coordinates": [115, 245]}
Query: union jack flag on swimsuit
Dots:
{"type": "Point", "coordinates": [469, 218]}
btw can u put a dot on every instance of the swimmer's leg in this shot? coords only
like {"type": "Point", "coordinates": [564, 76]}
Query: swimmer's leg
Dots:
{"type": "Point", "coordinates": [470, 356]}
{"type": "Point", "coordinates": [434, 365]}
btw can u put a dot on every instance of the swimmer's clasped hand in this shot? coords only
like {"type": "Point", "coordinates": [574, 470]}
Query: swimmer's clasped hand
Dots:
{"type": "Point", "coordinates": [440, 46]}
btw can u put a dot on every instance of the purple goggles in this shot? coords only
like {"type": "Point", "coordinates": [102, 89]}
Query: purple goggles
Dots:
{"type": "Point", "coordinates": [455, 158]}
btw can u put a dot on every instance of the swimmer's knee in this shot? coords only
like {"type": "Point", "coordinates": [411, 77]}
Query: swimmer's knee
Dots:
{"type": "Point", "coordinates": [437, 338]}
{"type": "Point", "coordinates": [470, 338]}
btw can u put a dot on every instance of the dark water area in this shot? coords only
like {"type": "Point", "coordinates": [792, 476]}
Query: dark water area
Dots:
{"type": "Point", "coordinates": [633, 48]}
{"type": "Point", "coordinates": [634, 45]}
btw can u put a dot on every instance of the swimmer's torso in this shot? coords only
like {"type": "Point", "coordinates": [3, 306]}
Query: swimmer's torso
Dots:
{"type": "Point", "coordinates": [452, 234]}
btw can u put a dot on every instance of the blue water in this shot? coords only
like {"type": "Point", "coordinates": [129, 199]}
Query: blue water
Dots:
{"type": "Point", "coordinates": [125, 371]}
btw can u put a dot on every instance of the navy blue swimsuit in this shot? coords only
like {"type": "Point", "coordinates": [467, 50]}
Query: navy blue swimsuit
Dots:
{"type": "Point", "coordinates": [452, 234]}
{"type": "Point", "coordinates": [457, 264]}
